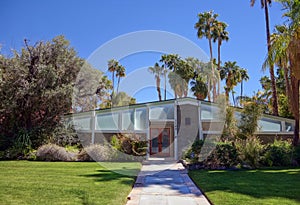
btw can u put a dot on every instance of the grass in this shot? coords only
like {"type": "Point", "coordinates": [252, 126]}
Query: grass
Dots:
{"type": "Point", "coordinates": [24, 182]}
{"type": "Point", "coordinates": [265, 186]}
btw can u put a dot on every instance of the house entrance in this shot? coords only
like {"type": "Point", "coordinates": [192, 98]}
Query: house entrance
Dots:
{"type": "Point", "coordinates": [160, 142]}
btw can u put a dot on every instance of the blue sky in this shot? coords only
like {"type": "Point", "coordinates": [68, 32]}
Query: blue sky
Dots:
{"type": "Point", "coordinates": [91, 23]}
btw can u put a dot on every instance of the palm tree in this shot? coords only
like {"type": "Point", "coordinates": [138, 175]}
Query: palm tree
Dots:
{"type": "Point", "coordinates": [165, 72]}
{"type": "Point", "coordinates": [244, 77]}
{"type": "Point", "coordinates": [264, 5]}
{"type": "Point", "coordinates": [112, 67]}
{"type": "Point", "coordinates": [219, 34]}
{"type": "Point", "coordinates": [157, 71]}
{"type": "Point", "coordinates": [285, 52]}
{"type": "Point", "coordinates": [199, 88]}
{"type": "Point", "coordinates": [205, 27]}
{"type": "Point", "coordinates": [231, 73]}
{"type": "Point", "coordinates": [120, 73]}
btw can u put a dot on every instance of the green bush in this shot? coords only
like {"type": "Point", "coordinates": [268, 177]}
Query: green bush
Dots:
{"type": "Point", "coordinates": [297, 154]}
{"type": "Point", "coordinates": [192, 154]}
{"type": "Point", "coordinates": [53, 152]}
{"type": "Point", "coordinates": [225, 155]}
{"type": "Point", "coordinates": [130, 144]}
{"type": "Point", "coordinates": [250, 151]}
{"type": "Point", "coordinates": [279, 153]}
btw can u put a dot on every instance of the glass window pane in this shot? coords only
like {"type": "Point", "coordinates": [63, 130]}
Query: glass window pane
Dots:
{"type": "Point", "coordinates": [140, 121]}
{"type": "Point", "coordinates": [269, 125]}
{"type": "Point", "coordinates": [82, 123]}
{"type": "Point", "coordinates": [162, 112]}
{"type": "Point", "coordinates": [127, 120]}
{"type": "Point", "coordinates": [107, 121]}
{"type": "Point", "coordinates": [289, 127]}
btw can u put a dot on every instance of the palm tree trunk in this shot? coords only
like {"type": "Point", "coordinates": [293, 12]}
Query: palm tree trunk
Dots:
{"type": "Point", "coordinates": [219, 63]}
{"type": "Point", "coordinates": [212, 68]}
{"type": "Point", "coordinates": [113, 85]}
{"type": "Point", "coordinates": [272, 76]}
{"type": "Point", "coordinates": [165, 86]}
{"type": "Point", "coordinates": [296, 110]}
{"type": "Point", "coordinates": [242, 87]}
{"type": "Point", "coordinates": [158, 88]}
{"type": "Point", "coordinates": [233, 98]}
{"type": "Point", "coordinates": [119, 78]}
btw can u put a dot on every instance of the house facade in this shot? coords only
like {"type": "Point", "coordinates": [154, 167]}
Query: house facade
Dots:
{"type": "Point", "coordinates": [169, 127]}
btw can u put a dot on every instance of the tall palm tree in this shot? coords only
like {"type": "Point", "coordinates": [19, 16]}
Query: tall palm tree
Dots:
{"type": "Point", "coordinates": [244, 77]}
{"type": "Point", "coordinates": [205, 27]}
{"type": "Point", "coordinates": [230, 72]}
{"type": "Point", "coordinates": [112, 67]}
{"type": "Point", "coordinates": [264, 5]}
{"type": "Point", "coordinates": [285, 52]}
{"type": "Point", "coordinates": [165, 72]}
{"type": "Point", "coordinates": [219, 35]}
{"type": "Point", "coordinates": [120, 73]}
{"type": "Point", "coordinates": [158, 72]}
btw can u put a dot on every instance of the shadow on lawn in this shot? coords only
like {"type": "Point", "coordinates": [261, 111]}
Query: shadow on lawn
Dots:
{"type": "Point", "coordinates": [264, 183]}
{"type": "Point", "coordinates": [107, 175]}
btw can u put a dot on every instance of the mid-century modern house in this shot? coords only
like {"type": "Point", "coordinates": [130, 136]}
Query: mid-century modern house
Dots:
{"type": "Point", "coordinates": [168, 126]}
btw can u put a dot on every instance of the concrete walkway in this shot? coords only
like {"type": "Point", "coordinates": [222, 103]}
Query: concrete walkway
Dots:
{"type": "Point", "coordinates": [165, 183]}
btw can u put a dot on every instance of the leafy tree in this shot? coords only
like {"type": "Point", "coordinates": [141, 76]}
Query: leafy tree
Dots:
{"type": "Point", "coordinates": [119, 99]}
{"type": "Point", "coordinates": [36, 88]}
{"type": "Point", "coordinates": [182, 73]}
{"type": "Point", "coordinates": [264, 5]}
{"type": "Point", "coordinates": [91, 87]}
{"type": "Point", "coordinates": [250, 115]}
{"type": "Point", "coordinates": [158, 71]}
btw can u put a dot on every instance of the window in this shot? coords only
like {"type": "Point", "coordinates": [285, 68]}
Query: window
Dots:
{"type": "Point", "coordinates": [162, 112]}
{"type": "Point", "coordinates": [269, 125]}
{"type": "Point", "coordinates": [127, 120]}
{"type": "Point", "coordinates": [82, 123]}
{"type": "Point", "coordinates": [140, 121]}
{"type": "Point", "coordinates": [107, 121]}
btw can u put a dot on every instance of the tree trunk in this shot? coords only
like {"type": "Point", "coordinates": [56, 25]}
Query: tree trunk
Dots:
{"type": "Point", "coordinates": [296, 114]}
{"type": "Point", "coordinates": [242, 87]}
{"type": "Point", "coordinates": [158, 88]}
{"type": "Point", "coordinates": [271, 69]}
{"type": "Point", "coordinates": [219, 64]}
{"type": "Point", "coordinates": [212, 70]}
{"type": "Point", "coordinates": [165, 86]}
{"type": "Point", "coordinates": [119, 78]}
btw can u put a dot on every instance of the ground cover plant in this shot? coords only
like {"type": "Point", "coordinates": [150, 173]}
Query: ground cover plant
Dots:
{"type": "Point", "coordinates": [262, 186]}
{"type": "Point", "coordinates": [25, 182]}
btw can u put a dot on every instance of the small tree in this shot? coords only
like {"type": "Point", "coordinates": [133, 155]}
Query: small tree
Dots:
{"type": "Point", "coordinates": [249, 119]}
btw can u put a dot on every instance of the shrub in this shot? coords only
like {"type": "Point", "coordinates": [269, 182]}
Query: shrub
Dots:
{"type": "Point", "coordinates": [279, 153]}
{"type": "Point", "coordinates": [249, 119]}
{"type": "Point", "coordinates": [250, 151]}
{"type": "Point", "coordinates": [130, 144]}
{"type": "Point", "coordinates": [97, 152]}
{"type": "Point", "coordinates": [224, 156]}
{"type": "Point", "coordinates": [53, 152]}
{"type": "Point", "coordinates": [297, 154]}
{"type": "Point", "coordinates": [65, 136]}
{"type": "Point", "coordinates": [192, 154]}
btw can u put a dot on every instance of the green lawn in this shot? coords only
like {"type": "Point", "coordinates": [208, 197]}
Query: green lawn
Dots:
{"type": "Point", "coordinates": [266, 186]}
{"type": "Point", "coordinates": [24, 182]}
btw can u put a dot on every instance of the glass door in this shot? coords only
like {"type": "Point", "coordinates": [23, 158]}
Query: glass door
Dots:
{"type": "Point", "coordinates": [160, 142]}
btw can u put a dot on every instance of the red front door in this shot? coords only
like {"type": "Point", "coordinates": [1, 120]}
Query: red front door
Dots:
{"type": "Point", "coordinates": [160, 142]}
